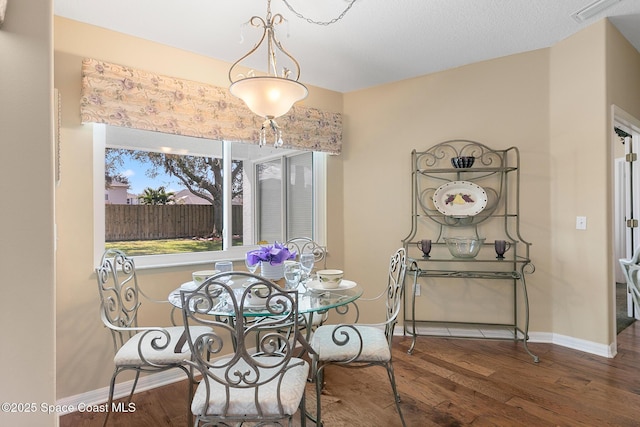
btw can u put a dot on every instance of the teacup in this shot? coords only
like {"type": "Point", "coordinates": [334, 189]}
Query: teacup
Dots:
{"type": "Point", "coordinates": [330, 279]}
{"type": "Point", "coordinates": [257, 295]}
{"type": "Point", "coordinates": [199, 277]}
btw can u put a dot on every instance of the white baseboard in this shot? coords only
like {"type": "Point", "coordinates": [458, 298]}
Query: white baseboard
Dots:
{"type": "Point", "coordinates": [100, 396]}
{"type": "Point", "coordinates": [562, 340]}
{"type": "Point", "coordinates": [574, 343]}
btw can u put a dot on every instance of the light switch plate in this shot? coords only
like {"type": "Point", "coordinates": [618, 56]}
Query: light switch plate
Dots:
{"type": "Point", "coordinates": [581, 223]}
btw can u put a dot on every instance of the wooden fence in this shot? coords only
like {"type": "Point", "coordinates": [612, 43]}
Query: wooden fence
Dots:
{"type": "Point", "coordinates": [152, 222]}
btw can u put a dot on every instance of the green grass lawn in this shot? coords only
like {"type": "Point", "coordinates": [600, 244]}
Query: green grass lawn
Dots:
{"type": "Point", "coordinates": [167, 246]}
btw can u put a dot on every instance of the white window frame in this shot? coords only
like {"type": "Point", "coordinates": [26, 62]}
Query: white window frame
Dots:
{"type": "Point", "coordinates": [286, 174]}
{"type": "Point", "coordinates": [228, 252]}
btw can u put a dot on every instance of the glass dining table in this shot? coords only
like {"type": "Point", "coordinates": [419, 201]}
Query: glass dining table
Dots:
{"type": "Point", "coordinates": [313, 300]}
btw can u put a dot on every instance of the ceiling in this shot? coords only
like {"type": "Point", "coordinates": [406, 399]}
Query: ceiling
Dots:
{"type": "Point", "coordinates": [376, 42]}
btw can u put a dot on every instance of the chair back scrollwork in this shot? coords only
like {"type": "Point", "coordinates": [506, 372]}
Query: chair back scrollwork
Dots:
{"type": "Point", "coordinates": [243, 380]}
{"type": "Point", "coordinates": [305, 245]}
{"type": "Point", "coordinates": [360, 345]}
{"type": "Point", "coordinates": [136, 348]}
{"type": "Point", "coordinates": [119, 295]}
{"type": "Point", "coordinates": [395, 290]}
{"type": "Point", "coordinates": [631, 270]}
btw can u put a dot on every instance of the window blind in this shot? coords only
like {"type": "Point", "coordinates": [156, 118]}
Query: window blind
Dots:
{"type": "Point", "coordinates": [300, 196]}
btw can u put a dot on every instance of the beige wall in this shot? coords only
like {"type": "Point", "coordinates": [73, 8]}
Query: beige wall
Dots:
{"type": "Point", "coordinates": [27, 316]}
{"type": "Point", "coordinates": [590, 71]}
{"type": "Point", "coordinates": [500, 103]}
{"type": "Point", "coordinates": [84, 348]}
{"type": "Point", "coordinates": [553, 104]}
{"type": "Point", "coordinates": [579, 141]}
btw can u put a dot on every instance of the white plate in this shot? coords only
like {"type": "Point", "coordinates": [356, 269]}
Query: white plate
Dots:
{"type": "Point", "coordinates": [192, 286]}
{"type": "Point", "coordinates": [460, 199]}
{"type": "Point", "coordinates": [247, 304]}
{"type": "Point", "coordinates": [315, 285]}
{"type": "Point", "coordinates": [189, 286]}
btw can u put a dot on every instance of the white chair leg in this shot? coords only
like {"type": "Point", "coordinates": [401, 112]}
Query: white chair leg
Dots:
{"type": "Point", "coordinates": [112, 386]}
{"type": "Point", "coordinates": [396, 395]}
{"type": "Point", "coordinates": [319, 378]}
{"type": "Point", "coordinates": [133, 388]}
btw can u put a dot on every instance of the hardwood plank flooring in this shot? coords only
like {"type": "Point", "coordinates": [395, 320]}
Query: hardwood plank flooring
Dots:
{"type": "Point", "coordinates": [452, 382]}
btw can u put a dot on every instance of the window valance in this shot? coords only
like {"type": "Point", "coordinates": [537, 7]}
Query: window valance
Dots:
{"type": "Point", "coordinates": [123, 96]}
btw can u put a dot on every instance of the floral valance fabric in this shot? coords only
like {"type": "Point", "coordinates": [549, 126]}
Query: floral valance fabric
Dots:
{"type": "Point", "coordinates": [123, 96]}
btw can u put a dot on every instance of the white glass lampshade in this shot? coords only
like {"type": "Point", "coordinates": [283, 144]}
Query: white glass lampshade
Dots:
{"type": "Point", "coordinates": [267, 96]}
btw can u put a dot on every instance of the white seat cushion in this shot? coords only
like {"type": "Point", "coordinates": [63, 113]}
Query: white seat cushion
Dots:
{"type": "Point", "coordinates": [128, 354]}
{"type": "Point", "coordinates": [374, 349]}
{"type": "Point", "coordinates": [241, 401]}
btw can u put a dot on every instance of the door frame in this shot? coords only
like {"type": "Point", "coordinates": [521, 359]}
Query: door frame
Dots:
{"type": "Point", "coordinates": [624, 120]}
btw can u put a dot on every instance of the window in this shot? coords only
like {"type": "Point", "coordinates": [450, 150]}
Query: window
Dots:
{"type": "Point", "coordinates": [285, 206]}
{"type": "Point", "coordinates": [174, 220]}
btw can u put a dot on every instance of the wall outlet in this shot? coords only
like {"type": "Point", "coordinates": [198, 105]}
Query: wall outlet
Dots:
{"type": "Point", "coordinates": [416, 291]}
{"type": "Point", "coordinates": [581, 223]}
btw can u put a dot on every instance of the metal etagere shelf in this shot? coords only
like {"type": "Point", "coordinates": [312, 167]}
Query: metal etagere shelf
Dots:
{"type": "Point", "coordinates": [496, 174]}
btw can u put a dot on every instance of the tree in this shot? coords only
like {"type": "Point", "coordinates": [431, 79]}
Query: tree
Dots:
{"type": "Point", "coordinates": [156, 197]}
{"type": "Point", "coordinates": [200, 175]}
{"type": "Point", "coordinates": [112, 162]}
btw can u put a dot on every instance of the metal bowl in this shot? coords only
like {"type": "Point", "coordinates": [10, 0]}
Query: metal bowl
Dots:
{"type": "Point", "coordinates": [464, 247]}
{"type": "Point", "coordinates": [462, 162]}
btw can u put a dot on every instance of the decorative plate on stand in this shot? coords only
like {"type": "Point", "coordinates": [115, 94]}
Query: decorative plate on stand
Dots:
{"type": "Point", "coordinates": [460, 199]}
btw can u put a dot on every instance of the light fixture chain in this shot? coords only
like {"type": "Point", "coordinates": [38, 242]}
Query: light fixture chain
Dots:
{"type": "Point", "coordinates": [311, 21]}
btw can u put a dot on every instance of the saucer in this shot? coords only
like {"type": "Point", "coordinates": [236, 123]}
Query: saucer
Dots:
{"type": "Point", "coordinates": [249, 305]}
{"type": "Point", "coordinates": [189, 286]}
{"type": "Point", "coordinates": [316, 286]}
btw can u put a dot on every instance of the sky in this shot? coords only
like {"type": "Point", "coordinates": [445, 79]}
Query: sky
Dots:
{"type": "Point", "coordinates": [138, 180]}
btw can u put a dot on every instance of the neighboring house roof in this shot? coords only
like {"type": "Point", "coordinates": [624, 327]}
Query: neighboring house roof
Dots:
{"type": "Point", "coordinates": [186, 197]}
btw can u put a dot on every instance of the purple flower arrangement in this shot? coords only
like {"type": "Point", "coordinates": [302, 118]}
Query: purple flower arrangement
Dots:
{"type": "Point", "coordinates": [273, 254]}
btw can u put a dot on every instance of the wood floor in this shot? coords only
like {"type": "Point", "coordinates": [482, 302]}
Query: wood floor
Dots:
{"type": "Point", "coordinates": [453, 382]}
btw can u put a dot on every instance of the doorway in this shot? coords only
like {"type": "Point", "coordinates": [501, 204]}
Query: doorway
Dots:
{"type": "Point", "coordinates": [626, 200]}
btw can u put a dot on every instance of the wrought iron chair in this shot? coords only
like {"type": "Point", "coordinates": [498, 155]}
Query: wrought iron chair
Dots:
{"type": "Point", "coordinates": [240, 383]}
{"type": "Point", "coordinates": [137, 348]}
{"type": "Point", "coordinates": [631, 270]}
{"type": "Point", "coordinates": [361, 345]}
{"type": "Point", "coordinates": [306, 245]}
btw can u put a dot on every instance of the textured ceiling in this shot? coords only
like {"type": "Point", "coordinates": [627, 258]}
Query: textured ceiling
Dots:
{"type": "Point", "coordinates": [377, 41]}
